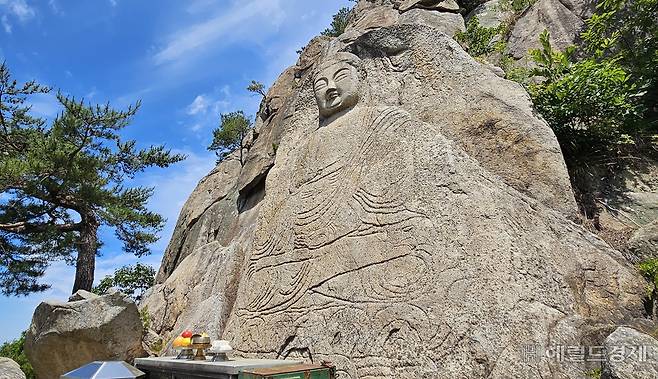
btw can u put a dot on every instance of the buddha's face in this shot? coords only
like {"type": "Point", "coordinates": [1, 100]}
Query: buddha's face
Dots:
{"type": "Point", "coordinates": [336, 88]}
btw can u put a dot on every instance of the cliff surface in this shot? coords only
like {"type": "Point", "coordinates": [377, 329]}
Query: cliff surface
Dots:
{"type": "Point", "coordinates": [422, 229]}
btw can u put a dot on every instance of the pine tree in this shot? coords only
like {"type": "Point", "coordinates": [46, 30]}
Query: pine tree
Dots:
{"type": "Point", "coordinates": [230, 135]}
{"type": "Point", "coordinates": [130, 280]}
{"type": "Point", "coordinates": [59, 183]}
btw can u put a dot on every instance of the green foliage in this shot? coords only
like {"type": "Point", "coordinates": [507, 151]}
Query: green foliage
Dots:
{"type": "Point", "coordinates": [157, 346]}
{"type": "Point", "coordinates": [230, 135]}
{"type": "Point", "coordinates": [130, 280]}
{"type": "Point", "coordinates": [60, 182]}
{"type": "Point", "coordinates": [14, 350]}
{"type": "Point", "coordinates": [594, 374]}
{"type": "Point", "coordinates": [517, 6]}
{"type": "Point", "coordinates": [589, 104]}
{"type": "Point", "coordinates": [605, 101]}
{"type": "Point", "coordinates": [145, 316]}
{"type": "Point", "coordinates": [256, 87]}
{"type": "Point", "coordinates": [479, 40]}
{"type": "Point", "coordinates": [339, 22]}
{"type": "Point", "coordinates": [649, 269]}
{"type": "Point", "coordinates": [513, 72]}
{"type": "Point", "coordinates": [627, 31]}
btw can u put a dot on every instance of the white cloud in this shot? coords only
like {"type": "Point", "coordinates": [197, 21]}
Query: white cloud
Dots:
{"type": "Point", "coordinates": [54, 6]}
{"type": "Point", "coordinates": [5, 24]}
{"type": "Point", "coordinates": [199, 105]}
{"type": "Point", "coordinates": [238, 23]}
{"type": "Point", "coordinates": [18, 8]}
{"type": "Point", "coordinates": [44, 105]}
{"type": "Point", "coordinates": [91, 94]}
{"type": "Point", "coordinates": [205, 109]}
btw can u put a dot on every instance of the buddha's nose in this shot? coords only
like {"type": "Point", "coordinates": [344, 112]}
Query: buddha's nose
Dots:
{"type": "Point", "coordinates": [332, 91]}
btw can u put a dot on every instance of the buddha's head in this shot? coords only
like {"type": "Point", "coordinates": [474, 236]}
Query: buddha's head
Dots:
{"type": "Point", "coordinates": [336, 85]}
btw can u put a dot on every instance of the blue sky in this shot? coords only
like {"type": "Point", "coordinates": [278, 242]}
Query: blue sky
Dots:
{"type": "Point", "coordinates": [188, 61]}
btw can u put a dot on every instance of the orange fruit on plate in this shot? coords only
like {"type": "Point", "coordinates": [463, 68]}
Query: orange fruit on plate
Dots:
{"type": "Point", "coordinates": [182, 342]}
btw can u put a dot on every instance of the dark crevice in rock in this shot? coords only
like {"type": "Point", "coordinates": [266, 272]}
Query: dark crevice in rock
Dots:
{"type": "Point", "coordinates": [253, 192]}
{"type": "Point", "coordinates": [285, 344]}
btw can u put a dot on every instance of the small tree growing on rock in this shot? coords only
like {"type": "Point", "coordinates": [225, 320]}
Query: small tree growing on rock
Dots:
{"type": "Point", "coordinates": [257, 88]}
{"type": "Point", "coordinates": [339, 22]}
{"type": "Point", "coordinates": [233, 129]}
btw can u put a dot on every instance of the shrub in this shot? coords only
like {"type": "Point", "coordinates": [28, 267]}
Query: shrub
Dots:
{"type": "Point", "coordinates": [14, 350]}
{"type": "Point", "coordinates": [339, 22]}
{"type": "Point", "coordinates": [518, 6]}
{"type": "Point", "coordinates": [131, 280]}
{"type": "Point", "coordinates": [588, 104]}
{"type": "Point", "coordinates": [627, 30]}
{"type": "Point", "coordinates": [479, 40]}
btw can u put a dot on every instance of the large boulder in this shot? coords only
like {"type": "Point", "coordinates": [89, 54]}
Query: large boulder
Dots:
{"type": "Point", "coordinates": [491, 14]}
{"type": "Point", "coordinates": [644, 242]}
{"type": "Point", "coordinates": [564, 20]}
{"type": "Point", "coordinates": [443, 16]}
{"type": "Point", "coordinates": [10, 369]}
{"type": "Point", "coordinates": [65, 336]}
{"type": "Point", "coordinates": [630, 355]}
{"type": "Point", "coordinates": [446, 22]}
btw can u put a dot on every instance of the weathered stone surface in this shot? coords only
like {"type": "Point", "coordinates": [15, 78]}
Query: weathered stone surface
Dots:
{"type": "Point", "coordinates": [10, 369]}
{"type": "Point", "coordinates": [644, 242]}
{"type": "Point", "coordinates": [82, 295]}
{"type": "Point", "coordinates": [216, 224]}
{"type": "Point", "coordinates": [421, 233]}
{"type": "Point", "coordinates": [491, 14]}
{"type": "Point", "coordinates": [448, 23]}
{"type": "Point", "coordinates": [375, 17]}
{"type": "Point", "coordinates": [439, 5]}
{"type": "Point", "coordinates": [623, 198]}
{"type": "Point", "coordinates": [382, 252]}
{"type": "Point", "coordinates": [64, 336]}
{"type": "Point", "coordinates": [208, 215]}
{"type": "Point", "coordinates": [490, 118]}
{"type": "Point", "coordinates": [310, 53]}
{"type": "Point", "coordinates": [563, 20]}
{"type": "Point", "coordinates": [623, 358]}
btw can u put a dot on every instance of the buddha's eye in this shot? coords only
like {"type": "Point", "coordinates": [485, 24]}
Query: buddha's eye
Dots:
{"type": "Point", "coordinates": [320, 84]}
{"type": "Point", "coordinates": [341, 74]}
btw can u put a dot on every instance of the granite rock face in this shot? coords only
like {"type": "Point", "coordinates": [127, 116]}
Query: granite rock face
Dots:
{"type": "Point", "coordinates": [564, 20]}
{"type": "Point", "coordinates": [65, 336]}
{"type": "Point", "coordinates": [644, 242]}
{"type": "Point", "coordinates": [491, 14]}
{"type": "Point", "coordinates": [444, 15]}
{"type": "Point", "coordinates": [418, 229]}
{"type": "Point", "coordinates": [630, 355]}
{"type": "Point", "coordinates": [10, 369]}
